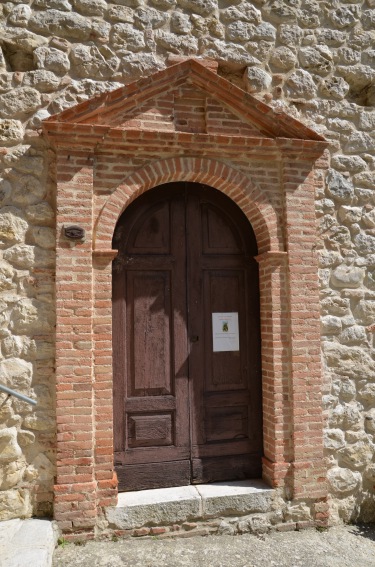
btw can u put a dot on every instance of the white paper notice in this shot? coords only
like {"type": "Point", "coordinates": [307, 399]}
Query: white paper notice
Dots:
{"type": "Point", "coordinates": [225, 334]}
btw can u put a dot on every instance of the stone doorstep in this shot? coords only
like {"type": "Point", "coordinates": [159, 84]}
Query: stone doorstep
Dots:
{"type": "Point", "coordinates": [165, 506]}
{"type": "Point", "coordinates": [27, 543]}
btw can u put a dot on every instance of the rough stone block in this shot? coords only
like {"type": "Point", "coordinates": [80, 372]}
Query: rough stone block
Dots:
{"type": "Point", "coordinates": [237, 497]}
{"type": "Point", "coordinates": [153, 507]}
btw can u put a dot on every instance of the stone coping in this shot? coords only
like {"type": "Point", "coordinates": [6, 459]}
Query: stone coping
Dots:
{"type": "Point", "coordinates": [185, 503]}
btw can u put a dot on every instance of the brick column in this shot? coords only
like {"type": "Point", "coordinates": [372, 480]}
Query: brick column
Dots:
{"type": "Point", "coordinates": [75, 489]}
{"type": "Point", "coordinates": [309, 472]}
{"type": "Point", "coordinates": [275, 367]}
{"type": "Point", "coordinates": [103, 383]}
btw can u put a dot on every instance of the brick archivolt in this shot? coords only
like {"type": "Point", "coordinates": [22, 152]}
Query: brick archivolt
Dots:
{"type": "Point", "coordinates": [238, 186]}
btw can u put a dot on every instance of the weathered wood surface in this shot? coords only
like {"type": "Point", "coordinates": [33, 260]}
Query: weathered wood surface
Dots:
{"type": "Point", "coordinates": [185, 252]}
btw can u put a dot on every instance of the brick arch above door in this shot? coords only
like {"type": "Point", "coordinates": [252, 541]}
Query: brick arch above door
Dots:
{"type": "Point", "coordinates": [239, 187]}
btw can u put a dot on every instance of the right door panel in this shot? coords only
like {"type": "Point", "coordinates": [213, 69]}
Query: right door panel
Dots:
{"type": "Point", "coordinates": [224, 375]}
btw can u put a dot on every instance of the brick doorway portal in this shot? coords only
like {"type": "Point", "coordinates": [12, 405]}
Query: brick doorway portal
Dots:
{"type": "Point", "coordinates": [184, 123]}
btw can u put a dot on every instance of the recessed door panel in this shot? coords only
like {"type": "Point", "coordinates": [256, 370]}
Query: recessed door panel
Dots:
{"type": "Point", "coordinates": [150, 430]}
{"type": "Point", "coordinates": [225, 423]}
{"type": "Point", "coordinates": [220, 235]}
{"type": "Point", "coordinates": [149, 330]}
{"type": "Point", "coordinates": [152, 231]}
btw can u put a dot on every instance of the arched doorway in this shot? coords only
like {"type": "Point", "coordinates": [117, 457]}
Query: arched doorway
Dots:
{"type": "Point", "coordinates": [272, 173]}
{"type": "Point", "coordinates": [187, 383]}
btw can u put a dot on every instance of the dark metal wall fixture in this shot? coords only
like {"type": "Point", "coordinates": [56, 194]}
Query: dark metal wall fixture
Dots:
{"type": "Point", "coordinates": [74, 232]}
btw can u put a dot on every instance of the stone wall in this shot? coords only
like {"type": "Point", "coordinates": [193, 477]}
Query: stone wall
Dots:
{"type": "Point", "coordinates": [312, 58]}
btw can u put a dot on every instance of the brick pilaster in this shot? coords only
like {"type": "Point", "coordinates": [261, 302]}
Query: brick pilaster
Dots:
{"type": "Point", "coordinates": [305, 363]}
{"type": "Point", "coordinates": [75, 499]}
{"type": "Point", "coordinates": [277, 407]}
{"type": "Point", "coordinates": [103, 385]}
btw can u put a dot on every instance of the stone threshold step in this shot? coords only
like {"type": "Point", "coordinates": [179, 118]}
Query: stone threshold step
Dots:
{"type": "Point", "coordinates": [165, 506]}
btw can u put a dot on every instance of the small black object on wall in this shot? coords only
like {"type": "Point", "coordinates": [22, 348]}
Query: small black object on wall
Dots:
{"type": "Point", "coordinates": [74, 232]}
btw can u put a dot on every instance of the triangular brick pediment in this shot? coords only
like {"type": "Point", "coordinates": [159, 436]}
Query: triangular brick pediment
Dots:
{"type": "Point", "coordinates": [186, 97]}
{"type": "Point", "coordinates": [186, 108]}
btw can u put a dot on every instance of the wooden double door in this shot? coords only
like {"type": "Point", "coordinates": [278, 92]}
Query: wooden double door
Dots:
{"type": "Point", "coordinates": [187, 385]}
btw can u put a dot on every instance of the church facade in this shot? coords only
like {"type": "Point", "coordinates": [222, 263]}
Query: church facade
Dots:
{"type": "Point", "coordinates": [187, 254]}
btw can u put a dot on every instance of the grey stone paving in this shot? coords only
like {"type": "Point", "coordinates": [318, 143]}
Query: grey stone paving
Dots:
{"type": "Point", "coordinates": [26, 543]}
{"type": "Point", "coordinates": [338, 547]}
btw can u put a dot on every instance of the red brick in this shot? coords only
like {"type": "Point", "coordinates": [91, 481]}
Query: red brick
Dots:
{"type": "Point", "coordinates": [279, 202]}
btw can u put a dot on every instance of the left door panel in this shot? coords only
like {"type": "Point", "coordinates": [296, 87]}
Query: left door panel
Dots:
{"type": "Point", "coordinates": [151, 402]}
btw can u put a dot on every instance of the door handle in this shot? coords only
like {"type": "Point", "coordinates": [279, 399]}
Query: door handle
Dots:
{"type": "Point", "coordinates": [194, 338]}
